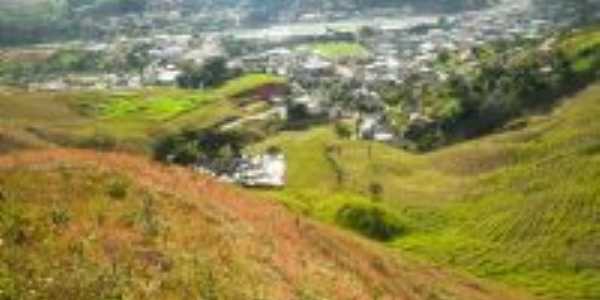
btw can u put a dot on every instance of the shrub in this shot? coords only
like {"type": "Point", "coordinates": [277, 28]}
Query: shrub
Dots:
{"type": "Point", "coordinates": [191, 146]}
{"type": "Point", "coordinates": [60, 216]}
{"type": "Point", "coordinates": [14, 226]}
{"type": "Point", "coordinates": [376, 190]}
{"type": "Point", "coordinates": [371, 221]}
{"type": "Point", "coordinates": [343, 130]}
{"type": "Point", "coordinates": [117, 189]}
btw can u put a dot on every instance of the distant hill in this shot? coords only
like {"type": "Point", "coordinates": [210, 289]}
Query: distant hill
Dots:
{"type": "Point", "coordinates": [31, 21]}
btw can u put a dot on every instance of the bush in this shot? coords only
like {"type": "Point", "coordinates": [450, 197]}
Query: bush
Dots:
{"type": "Point", "coordinates": [117, 189]}
{"type": "Point", "coordinates": [376, 190]}
{"type": "Point", "coordinates": [211, 74]}
{"type": "Point", "coordinates": [343, 130]}
{"type": "Point", "coordinates": [371, 221]}
{"type": "Point", "coordinates": [191, 146]}
{"type": "Point", "coordinates": [60, 216]}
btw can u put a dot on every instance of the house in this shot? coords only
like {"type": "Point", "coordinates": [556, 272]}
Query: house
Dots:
{"type": "Point", "coordinates": [266, 170]}
{"type": "Point", "coordinates": [316, 66]}
{"type": "Point", "coordinates": [374, 127]}
{"type": "Point", "coordinates": [166, 75]}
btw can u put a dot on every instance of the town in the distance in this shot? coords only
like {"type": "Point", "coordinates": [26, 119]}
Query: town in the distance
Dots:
{"type": "Point", "coordinates": [346, 67]}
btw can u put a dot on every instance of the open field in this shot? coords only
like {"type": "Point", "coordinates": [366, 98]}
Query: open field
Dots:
{"type": "Point", "coordinates": [162, 104]}
{"type": "Point", "coordinates": [339, 50]}
{"type": "Point", "coordinates": [520, 207]}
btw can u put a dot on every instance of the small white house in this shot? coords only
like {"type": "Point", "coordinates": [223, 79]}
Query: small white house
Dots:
{"type": "Point", "coordinates": [167, 75]}
{"type": "Point", "coordinates": [267, 170]}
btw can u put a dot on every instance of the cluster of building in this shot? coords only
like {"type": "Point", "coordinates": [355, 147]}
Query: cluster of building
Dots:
{"type": "Point", "coordinates": [396, 54]}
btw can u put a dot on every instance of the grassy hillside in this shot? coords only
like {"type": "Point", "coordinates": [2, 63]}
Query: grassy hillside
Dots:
{"type": "Point", "coordinates": [521, 207]}
{"type": "Point", "coordinates": [130, 119]}
{"type": "Point", "coordinates": [83, 225]}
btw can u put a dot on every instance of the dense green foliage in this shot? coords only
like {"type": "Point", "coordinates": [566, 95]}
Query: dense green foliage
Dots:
{"type": "Point", "coordinates": [193, 146]}
{"type": "Point", "coordinates": [369, 220]}
{"type": "Point", "coordinates": [211, 73]}
{"type": "Point", "coordinates": [506, 85]}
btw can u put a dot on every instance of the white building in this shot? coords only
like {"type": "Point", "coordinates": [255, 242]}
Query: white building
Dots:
{"type": "Point", "coordinates": [267, 170]}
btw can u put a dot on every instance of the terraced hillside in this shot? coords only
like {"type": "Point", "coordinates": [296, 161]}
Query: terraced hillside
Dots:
{"type": "Point", "coordinates": [521, 206]}
{"type": "Point", "coordinates": [77, 224]}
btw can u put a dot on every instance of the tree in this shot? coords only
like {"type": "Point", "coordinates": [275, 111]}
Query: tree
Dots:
{"type": "Point", "coordinates": [376, 190]}
{"type": "Point", "coordinates": [138, 58]}
{"type": "Point", "coordinates": [212, 73]}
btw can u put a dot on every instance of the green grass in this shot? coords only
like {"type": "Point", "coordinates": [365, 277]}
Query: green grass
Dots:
{"type": "Point", "coordinates": [520, 207]}
{"type": "Point", "coordinates": [247, 83]}
{"type": "Point", "coordinates": [160, 104]}
{"type": "Point", "coordinates": [340, 50]}
{"type": "Point", "coordinates": [575, 44]}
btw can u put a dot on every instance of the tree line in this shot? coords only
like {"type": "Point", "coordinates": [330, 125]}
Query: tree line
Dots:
{"type": "Point", "coordinates": [52, 20]}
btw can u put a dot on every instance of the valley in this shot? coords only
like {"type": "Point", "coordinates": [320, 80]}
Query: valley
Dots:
{"type": "Point", "coordinates": [413, 150]}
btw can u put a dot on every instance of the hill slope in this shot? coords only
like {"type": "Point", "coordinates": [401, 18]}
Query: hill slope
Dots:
{"type": "Point", "coordinates": [521, 206]}
{"type": "Point", "coordinates": [84, 225]}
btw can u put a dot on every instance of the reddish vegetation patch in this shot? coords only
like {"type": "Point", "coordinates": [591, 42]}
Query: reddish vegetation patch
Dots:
{"type": "Point", "coordinates": [265, 93]}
